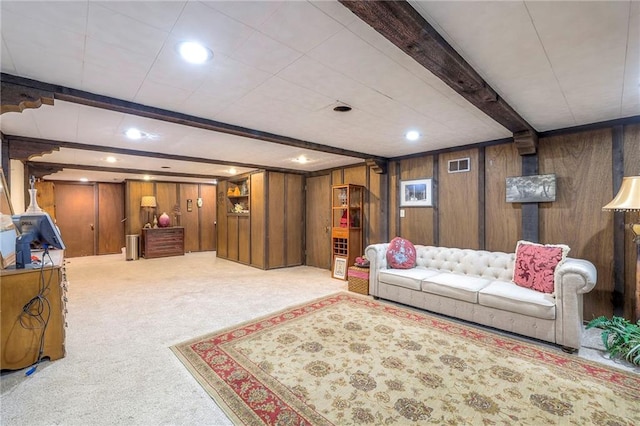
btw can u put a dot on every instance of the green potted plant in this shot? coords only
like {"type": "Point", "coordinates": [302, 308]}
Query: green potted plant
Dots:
{"type": "Point", "coordinates": [621, 338]}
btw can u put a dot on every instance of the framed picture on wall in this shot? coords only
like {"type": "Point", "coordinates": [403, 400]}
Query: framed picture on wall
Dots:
{"type": "Point", "coordinates": [340, 268]}
{"type": "Point", "coordinates": [416, 193]}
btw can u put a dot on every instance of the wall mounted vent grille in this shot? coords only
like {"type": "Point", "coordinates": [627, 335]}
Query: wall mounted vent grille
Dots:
{"type": "Point", "coordinates": [459, 165]}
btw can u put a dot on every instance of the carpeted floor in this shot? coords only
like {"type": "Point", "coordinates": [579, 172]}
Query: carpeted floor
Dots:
{"type": "Point", "coordinates": [124, 316]}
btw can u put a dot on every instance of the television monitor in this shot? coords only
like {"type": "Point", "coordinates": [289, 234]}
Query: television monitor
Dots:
{"type": "Point", "coordinates": [37, 230]}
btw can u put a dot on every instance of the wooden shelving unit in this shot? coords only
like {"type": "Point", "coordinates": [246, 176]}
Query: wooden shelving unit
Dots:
{"type": "Point", "coordinates": [346, 227]}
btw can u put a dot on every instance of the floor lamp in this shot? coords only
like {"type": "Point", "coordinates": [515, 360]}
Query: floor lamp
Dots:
{"type": "Point", "coordinates": [628, 200]}
{"type": "Point", "coordinates": [148, 203]}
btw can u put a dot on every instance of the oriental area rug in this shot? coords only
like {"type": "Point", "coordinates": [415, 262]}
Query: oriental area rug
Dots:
{"type": "Point", "coordinates": [347, 359]}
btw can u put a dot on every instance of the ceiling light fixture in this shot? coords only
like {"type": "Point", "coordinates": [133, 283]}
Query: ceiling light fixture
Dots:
{"type": "Point", "coordinates": [232, 171]}
{"type": "Point", "coordinates": [301, 159]}
{"type": "Point", "coordinates": [194, 53]}
{"type": "Point", "coordinates": [134, 134]}
{"type": "Point", "coordinates": [412, 135]}
{"type": "Point", "coordinates": [84, 179]}
{"type": "Point", "coordinates": [147, 177]}
{"type": "Point", "coordinates": [111, 159]}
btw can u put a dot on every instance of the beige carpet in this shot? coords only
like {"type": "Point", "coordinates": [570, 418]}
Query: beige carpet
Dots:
{"type": "Point", "coordinates": [124, 316]}
{"type": "Point", "coordinates": [345, 359]}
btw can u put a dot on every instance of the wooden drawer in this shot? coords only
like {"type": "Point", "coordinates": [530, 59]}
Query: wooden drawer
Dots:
{"type": "Point", "coordinates": [161, 242]}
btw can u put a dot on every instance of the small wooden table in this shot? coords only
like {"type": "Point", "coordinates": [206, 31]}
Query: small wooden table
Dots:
{"type": "Point", "coordinates": [161, 242]}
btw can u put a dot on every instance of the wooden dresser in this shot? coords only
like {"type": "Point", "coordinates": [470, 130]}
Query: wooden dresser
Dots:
{"type": "Point", "coordinates": [162, 242]}
{"type": "Point", "coordinates": [19, 346]}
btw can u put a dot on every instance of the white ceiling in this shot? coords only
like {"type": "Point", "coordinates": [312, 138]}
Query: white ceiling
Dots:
{"type": "Point", "coordinates": [281, 67]}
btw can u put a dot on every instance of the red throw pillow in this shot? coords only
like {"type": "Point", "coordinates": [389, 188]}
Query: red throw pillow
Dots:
{"type": "Point", "coordinates": [536, 264]}
{"type": "Point", "coordinates": [401, 254]}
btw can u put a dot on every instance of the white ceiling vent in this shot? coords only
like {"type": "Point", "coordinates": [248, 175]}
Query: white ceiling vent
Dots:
{"type": "Point", "coordinates": [459, 165]}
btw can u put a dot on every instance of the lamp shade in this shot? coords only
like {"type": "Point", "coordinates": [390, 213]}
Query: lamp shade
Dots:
{"type": "Point", "coordinates": [148, 201]}
{"type": "Point", "coordinates": [628, 197]}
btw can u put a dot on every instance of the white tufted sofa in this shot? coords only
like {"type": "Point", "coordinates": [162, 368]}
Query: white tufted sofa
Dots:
{"type": "Point", "coordinates": [476, 285]}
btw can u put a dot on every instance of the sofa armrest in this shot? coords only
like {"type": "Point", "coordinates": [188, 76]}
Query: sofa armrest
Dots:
{"type": "Point", "coordinates": [579, 273]}
{"type": "Point", "coordinates": [573, 278]}
{"type": "Point", "coordinates": [377, 255]}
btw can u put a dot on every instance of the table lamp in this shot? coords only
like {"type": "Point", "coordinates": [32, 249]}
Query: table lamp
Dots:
{"type": "Point", "coordinates": [628, 200]}
{"type": "Point", "coordinates": [148, 203]}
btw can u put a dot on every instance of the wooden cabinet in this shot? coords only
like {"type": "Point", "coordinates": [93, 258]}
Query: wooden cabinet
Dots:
{"type": "Point", "coordinates": [262, 224]}
{"type": "Point", "coordinates": [162, 242]}
{"type": "Point", "coordinates": [346, 227]}
{"type": "Point", "coordinates": [21, 333]}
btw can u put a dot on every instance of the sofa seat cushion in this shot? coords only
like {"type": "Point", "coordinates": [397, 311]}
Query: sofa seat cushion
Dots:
{"type": "Point", "coordinates": [456, 286]}
{"type": "Point", "coordinates": [513, 298]}
{"type": "Point", "coordinates": [408, 278]}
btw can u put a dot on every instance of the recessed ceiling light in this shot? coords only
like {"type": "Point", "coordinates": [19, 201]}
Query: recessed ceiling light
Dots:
{"type": "Point", "coordinates": [232, 171]}
{"type": "Point", "coordinates": [194, 53]}
{"type": "Point", "coordinates": [110, 159]}
{"type": "Point", "coordinates": [342, 108]}
{"type": "Point", "coordinates": [147, 177]}
{"type": "Point", "coordinates": [301, 159]}
{"type": "Point", "coordinates": [134, 134]}
{"type": "Point", "coordinates": [84, 180]}
{"type": "Point", "coordinates": [412, 135]}
{"type": "Point", "coordinates": [215, 181]}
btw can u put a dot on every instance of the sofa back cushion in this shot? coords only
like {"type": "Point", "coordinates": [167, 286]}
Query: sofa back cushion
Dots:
{"type": "Point", "coordinates": [401, 254]}
{"type": "Point", "coordinates": [478, 263]}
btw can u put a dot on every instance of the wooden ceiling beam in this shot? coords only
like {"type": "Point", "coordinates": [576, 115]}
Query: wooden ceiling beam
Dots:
{"type": "Point", "coordinates": [23, 141]}
{"type": "Point", "coordinates": [16, 97]}
{"type": "Point", "coordinates": [113, 104]}
{"type": "Point", "coordinates": [403, 26]}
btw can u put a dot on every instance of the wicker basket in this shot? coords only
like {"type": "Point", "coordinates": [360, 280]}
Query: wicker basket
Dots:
{"type": "Point", "coordinates": [358, 279]}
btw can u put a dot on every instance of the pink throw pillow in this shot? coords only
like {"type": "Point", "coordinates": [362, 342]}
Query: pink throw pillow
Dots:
{"type": "Point", "coordinates": [536, 264]}
{"type": "Point", "coordinates": [401, 254]}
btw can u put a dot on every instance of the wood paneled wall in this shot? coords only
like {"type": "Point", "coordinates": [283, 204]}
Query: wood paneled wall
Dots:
{"type": "Point", "coordinates": [503, 221]}
{"type": "Point", "coordinates": [631, 168]}
{"type": "Point", "coordinates": [473, 213]}
{"type": "Point", "coordinates": [199, 223]}
{"type": "Point", "coordinates": [582, 164]}
{"type": "Point", "coordinates": [458, 202]}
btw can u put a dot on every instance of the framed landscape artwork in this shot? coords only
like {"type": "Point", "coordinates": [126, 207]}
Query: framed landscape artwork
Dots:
{"type": "Point", "coordinates": [531, 189]}
{"type": "Point", "coordinates": [416, 193]}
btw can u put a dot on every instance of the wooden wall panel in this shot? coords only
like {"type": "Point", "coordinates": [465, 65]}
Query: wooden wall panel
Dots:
{"type": "Point", "coordinates": [337, 178]}
{"type": "Point", "coordinates": [244, 250]}
{"type": "Point", "coordinates": [136, 216]}
{"type": "Point", "coordinates": [393, 213]}
{"type": "Point", "coordinates": [110, 215]}
{"type": "Point", "coordinates": [582, 164]}
{"type": "Point", "coordinates": [503, 220]}
{"type": "Point", "coordinates": [222, 230]}
{"type": "Point", "coordinates": [318, 222]}
{"type": "Point", "coordinates": [458, 210]}
{"type": "Point", "coordinates": [189, 219]}
{"type": "Point", "coordinates": [294, 209]}
{"type": "Point", "coordinates": [207, 217]}
{"type": "Point", "coordinates": [276, 228]}
{"type": "Point", "coordinates": [417, 223]}
{"type": "Point", "coordinates": [167, 198]}
{"type": "Point", "coordinates": [46, 197]}
{"type": "Point", "coordinates": [631, 168]}
{"type": "Point", "coordinates": [356, 175]}
{"type": "Point", "coordinates": [257, 242]}
{"type": "Point", "coordinates": [377, 222]}
{"type": "Point", "coordinates": [232, 237]}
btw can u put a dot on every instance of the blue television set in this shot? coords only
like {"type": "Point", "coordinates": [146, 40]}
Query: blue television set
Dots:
{"type": "Point", "coordinates": [37, 231]}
